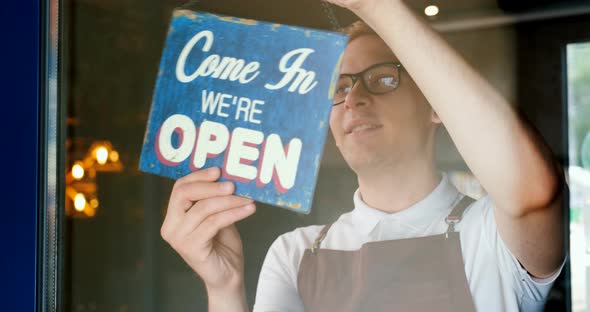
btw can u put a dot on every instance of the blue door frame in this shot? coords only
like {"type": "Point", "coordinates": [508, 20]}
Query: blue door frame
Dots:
{"type": "Point", "coordinates": [19, 86]}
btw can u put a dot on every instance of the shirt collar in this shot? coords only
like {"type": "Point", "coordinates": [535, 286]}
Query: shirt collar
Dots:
{"type": "Point", "coordinates": [423, 213]}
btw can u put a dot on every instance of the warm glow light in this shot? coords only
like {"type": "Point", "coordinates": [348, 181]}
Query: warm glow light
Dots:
{"type": "Point", "coordinates": [431, 10]}
{"type": "Point", "coordinates": [114, 156]}
{"type": "Point", "coordinates": [94, 203]}
{"type": "Point", "coordinates": [79, 202]}
{"type": "Point", "coordinates": [90, 212]}
{"type": "Point", "coordinates": [77, 171]}
{"type": "Point", "coordinates": [102, 154]}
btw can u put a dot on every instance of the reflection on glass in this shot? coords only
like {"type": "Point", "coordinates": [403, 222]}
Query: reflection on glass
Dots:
{"type": "Point", "coordinates": [578, 75]}
{"type": "Point", "coordinates": [467, 184]}
{"type": "Point", "coordinates": [79, 202]}
{"type": "Point", "coordinates": [114, 52]}
{"type": "Point", "coordinates": [431, 10]}
{"type": "Point", "coordinates": [81, 186]}
{"type": "Point", "coordinates": [102, 155]}
{"type": "Point", "coordinates": [78, 171]}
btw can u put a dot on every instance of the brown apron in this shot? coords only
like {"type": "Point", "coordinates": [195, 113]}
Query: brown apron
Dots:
{"type": "Point", "coordinates": [415, 274]}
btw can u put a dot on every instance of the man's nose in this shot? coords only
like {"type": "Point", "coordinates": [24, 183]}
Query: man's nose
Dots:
{"type": "Point", "coordinates": [358, 95]}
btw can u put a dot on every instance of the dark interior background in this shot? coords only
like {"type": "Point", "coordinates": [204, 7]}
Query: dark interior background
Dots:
{"type": "Point", "coordinates": [116, 261]}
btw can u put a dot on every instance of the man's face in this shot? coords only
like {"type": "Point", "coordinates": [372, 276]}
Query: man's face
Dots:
{"type": "Point", "coordinates": [380, 130]}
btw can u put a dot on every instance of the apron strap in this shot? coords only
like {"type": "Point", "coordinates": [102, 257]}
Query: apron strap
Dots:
{"type": "Point", "coordinates": [457, 213]}
{"type": "Point", "coordinates": [320, 238]}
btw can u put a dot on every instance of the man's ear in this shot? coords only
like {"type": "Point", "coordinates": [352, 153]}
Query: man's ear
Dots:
{"type": "Point", "coordinates": [434, 117]}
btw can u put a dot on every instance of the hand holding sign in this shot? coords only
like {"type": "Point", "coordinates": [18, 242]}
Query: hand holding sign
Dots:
{"type": "Point", "coordinates": [250, 101]}
{"type": "Point", "coordinates": [199, 225]}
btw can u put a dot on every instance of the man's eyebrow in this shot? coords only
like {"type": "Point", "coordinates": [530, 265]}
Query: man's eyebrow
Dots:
{"type": "Point", "coordinates": [393, 60]}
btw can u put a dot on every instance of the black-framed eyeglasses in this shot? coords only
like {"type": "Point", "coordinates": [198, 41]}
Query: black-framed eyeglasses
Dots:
{"type": "Point", "coordinates": [377, 79]}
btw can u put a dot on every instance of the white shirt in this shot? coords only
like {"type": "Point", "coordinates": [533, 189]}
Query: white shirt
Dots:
{"type": "Point", "coordinates": [496, 279]}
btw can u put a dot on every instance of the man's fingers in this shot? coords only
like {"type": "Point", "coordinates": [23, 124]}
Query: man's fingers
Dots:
{"type": "Point", "coordinates": [205, 175]}
{"type": "Point", "coordinates": [185, 195]}
{"type": "Point", "coordinates": [192, 187]}
{"type": "Point", "coordinates": [214, 223]}
{"type": "Point", "coordinates": [227, 235]}
{"type": "Point", "coordinates": [207, 207]}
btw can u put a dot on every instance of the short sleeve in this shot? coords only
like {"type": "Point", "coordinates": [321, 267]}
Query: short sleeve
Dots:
{"type": "Point", "coordinates": [277, 283]}
{"type": "Point", "coordinates": [531, 291]}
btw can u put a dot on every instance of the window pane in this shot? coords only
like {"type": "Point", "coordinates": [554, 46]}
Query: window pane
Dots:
{"type": "Point", "coordinates": [578, 75]}
{"type": "Point", "coordinates": [116, 259]}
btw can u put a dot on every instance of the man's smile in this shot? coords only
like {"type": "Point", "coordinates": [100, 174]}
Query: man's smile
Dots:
{"type": "Point", "coordinates": [360, 126]}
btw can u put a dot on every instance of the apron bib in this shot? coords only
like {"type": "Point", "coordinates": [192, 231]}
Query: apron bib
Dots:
{"type": "Point", "coordinates": [415, 274]}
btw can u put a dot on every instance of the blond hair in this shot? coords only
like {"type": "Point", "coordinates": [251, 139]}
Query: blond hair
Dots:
{"type": "Point", "coordinates": [358, 29]}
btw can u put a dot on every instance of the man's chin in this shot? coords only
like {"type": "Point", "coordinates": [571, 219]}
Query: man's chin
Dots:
{"type": "Point", "coordinates": [362, 160]}
{"type": "Point", "coordinates": [362, 149]}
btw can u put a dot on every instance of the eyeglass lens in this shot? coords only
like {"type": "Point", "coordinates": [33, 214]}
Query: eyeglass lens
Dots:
{"type": "Point", "coordinates": [376, 80]}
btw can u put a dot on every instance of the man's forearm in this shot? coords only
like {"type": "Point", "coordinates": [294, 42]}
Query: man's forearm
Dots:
{"type": "Point", "coordinates": [482, 124]}
{"type": "Point", "coordinates": [512, 163]}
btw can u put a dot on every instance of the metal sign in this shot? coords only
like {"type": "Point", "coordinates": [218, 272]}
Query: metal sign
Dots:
{"type": "Point", "coordinates": [250, 97]}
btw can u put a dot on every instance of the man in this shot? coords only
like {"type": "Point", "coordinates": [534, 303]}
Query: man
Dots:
{"type": "Point", "coordinates": [412, 242]}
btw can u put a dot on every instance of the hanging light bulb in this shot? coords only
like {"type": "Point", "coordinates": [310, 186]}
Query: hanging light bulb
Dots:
{"type": "Point", "coordinates": [90, 212]}
{"type": "Point", "coordinates": [77, 171]}
{"type": "Point", "coordinates": [431, 10]}
{"type": "Point", "coordinates": [79, 202]}
{"type": "Point", "coordinates": [102, 155]}
{"type": "Point", "coordinates": [94, 203]}
{"type": "Point", "coordinates": [114, 156]}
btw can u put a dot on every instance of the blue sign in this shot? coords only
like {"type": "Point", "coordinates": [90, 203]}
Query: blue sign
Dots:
{"type": "Point", "coordinates": [250, 97]}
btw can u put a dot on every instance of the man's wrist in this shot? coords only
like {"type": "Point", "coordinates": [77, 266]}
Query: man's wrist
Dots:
{"type": "Point", "coordinates": [227, 299]}
{"type": "Point", "coordinates": [369, 12]}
